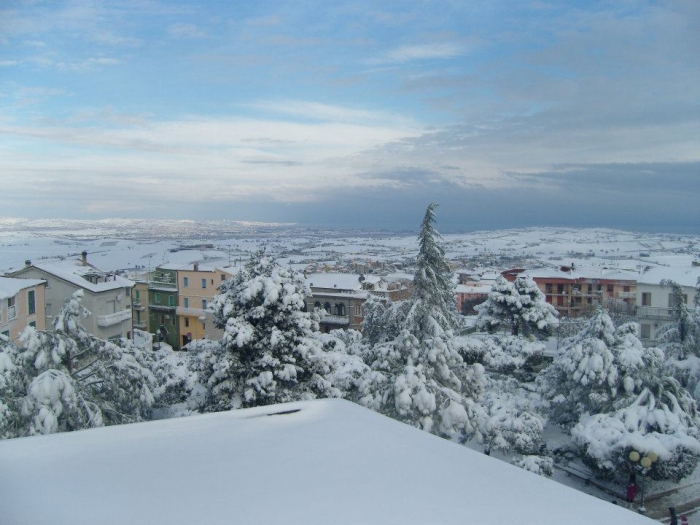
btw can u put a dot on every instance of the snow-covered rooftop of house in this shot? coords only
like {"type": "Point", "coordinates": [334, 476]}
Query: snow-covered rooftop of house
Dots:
{"type": "Point", "coordinates": [311, 463]}
{"type": "Point", "coordinates": [201, 267]}
{"type": "Point", "coordinates": [75, 272]}
{"type": "Point", "coordinates": [11, 286]}
{"type": "Point", "coordinates": [582, 273]}
{"type": "Point", "coordinates": [683, 276]}
{"type": "Point", "coordinates": [341, 281]}
{"type": "Point", "coordinates": [476, 288]}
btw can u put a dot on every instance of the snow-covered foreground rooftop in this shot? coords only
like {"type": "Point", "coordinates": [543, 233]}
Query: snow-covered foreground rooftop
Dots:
{"type": "Point", "coordinates": [321, 462]}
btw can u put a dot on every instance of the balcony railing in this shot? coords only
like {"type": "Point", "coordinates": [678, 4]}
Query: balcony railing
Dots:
{"type": "Point", "coordinates": [334, 319]}
{"type": "Point", "coordinates": [112, 319]}
{"type": "Point", "coordinates": [654, 312]}
{"type": "Point", "coordinates": [626, 295]}
{"type": "Point", "coordinates": [159, 285]}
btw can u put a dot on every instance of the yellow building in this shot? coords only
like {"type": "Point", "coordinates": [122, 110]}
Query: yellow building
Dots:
{"type": "Point", "coordinates": [197, 285]}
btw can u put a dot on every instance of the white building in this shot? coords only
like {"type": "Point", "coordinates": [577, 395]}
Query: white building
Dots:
{"type": "Point", "coordinates": [105, 294]}
{"type": "Point", "coordinates": [655, 302]}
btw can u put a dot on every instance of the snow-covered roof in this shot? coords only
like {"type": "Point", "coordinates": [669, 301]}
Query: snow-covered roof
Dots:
{"type": "Point", "coordinates": [477, 288]}
{"type": "Point", "coordinates": [683, 276]}
{"type": "Point", "coordinates": [341, 281]}
{"type": "Point", "coordinates": [310, 463]}
{"type": "Point", "coordinates": [201, 267]}
{"type": "Point", "coordinates": [582, 273]}
{"type": "Point", "coordinates": [75, 272]}
{"type": "Point", "coordinates": [11, 286]}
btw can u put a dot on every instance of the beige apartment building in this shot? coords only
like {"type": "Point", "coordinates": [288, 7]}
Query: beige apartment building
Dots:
{"type": "Point", "coordinates": [21, 305]}
{"type": "Point", "coordinates": [197, 284]}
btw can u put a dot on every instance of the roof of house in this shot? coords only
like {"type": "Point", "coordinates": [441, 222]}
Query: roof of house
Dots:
{"type": "Point", "coordinates": [74, 272]}
{"type": "Point", "coordinates": [341, 281]}
{"type": "Point", "coordinates": [310, 463]}
{"type": "Point", "coordinates": [683, 276]}
{"type": "Point", "coordinates": [614, 274]}
{"type": "Point", "coordinates": [11, 286]}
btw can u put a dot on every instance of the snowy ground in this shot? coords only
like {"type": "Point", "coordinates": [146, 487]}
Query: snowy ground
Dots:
{"type": "Point", "coordinates": [120, 244]}
{"type": "Point", "coordinates": [318, 462]}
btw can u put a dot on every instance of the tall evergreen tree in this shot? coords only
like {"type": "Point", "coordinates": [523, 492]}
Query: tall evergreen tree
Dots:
{"type": "Point", "coordinates": [418, 376]}
{"type": "Point", "coordinates": [433, 306]}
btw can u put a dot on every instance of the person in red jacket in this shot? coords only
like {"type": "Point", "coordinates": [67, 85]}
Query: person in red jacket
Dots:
{"type": "Point", "coordinates": [631, 490]}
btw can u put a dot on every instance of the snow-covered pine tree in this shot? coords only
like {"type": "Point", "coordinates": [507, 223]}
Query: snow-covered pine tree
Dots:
{"type": "Point", "coordinates": [433, 310]}
{"type": "Point", "coordinates": [599, 370]}
{"type": "Point", "coordinates": [519, 306]}
{"type": "Point", "coordinates": [682, 336]}
{"type": "Point", "coordinates": [66, 379]}
{"type": "Point", "coordinates": [418, 377]}
{"type": "Point", "coordinates": [662, 419]}
{"type": "Point", "coordinates": [269, 352]}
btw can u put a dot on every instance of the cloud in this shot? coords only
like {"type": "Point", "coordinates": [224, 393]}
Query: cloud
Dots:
{"type": "Point", "coordinates": [186, 30]}
{"type": "Point", "coordinates": [438, 50]}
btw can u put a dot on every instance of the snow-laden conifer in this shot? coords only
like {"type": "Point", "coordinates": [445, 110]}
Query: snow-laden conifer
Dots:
{"type": "Point", "coordinates": [270, 352]}
{"type": "Point", "coordinates": [67, 379]}
{"type": "Point", "coordinates": [519, 306]}
{"type": "Point", "coordinates": [418, 376]}
{"type": "Point", "coordinates": [662, 419]}
{"type": "Point", "coordinates": [599, 370]}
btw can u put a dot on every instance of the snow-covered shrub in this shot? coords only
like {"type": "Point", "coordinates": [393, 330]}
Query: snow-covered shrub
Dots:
{"type": "Point", "coordinates": [599, 370]}
{"type": "Point", "coordinates": [542, 465]}
{"type": "Point", "coordinates": [513, 422]}
{"type": "Point", "coordinates": [663, 419]}
{"type": "Point", "coordinates": [519, 306]}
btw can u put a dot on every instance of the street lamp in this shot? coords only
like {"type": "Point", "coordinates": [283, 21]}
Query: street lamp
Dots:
{"type": "Point", "coordinates": [644, 465]}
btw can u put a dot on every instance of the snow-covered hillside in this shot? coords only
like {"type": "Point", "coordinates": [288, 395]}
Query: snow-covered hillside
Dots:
{"type": "Point", "coordinates": [321, 462]}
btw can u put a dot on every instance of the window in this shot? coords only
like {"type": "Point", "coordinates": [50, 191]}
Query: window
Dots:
{"type": "Point", "coordinates": [137, 297]}
{"type": "Point", "coordinates": [171, 300]}
{"type": "Point", "coordinates": [672, 303]}
{"type": "Point", "coordinates": [31, 302]}
{"type": "Point", "coordinates": [204, 304]}
{"type": "Point", "coordinates": [138, 316]}
{"type": "Point", "coordinates": [317, 305]}
{"type": "Point", "coordinates": [646, 299]}
{"type": "Point", "coordinates": [590, 288]}
{"type": "Point", "coordinates": [223, 277]}
{"type": "Point", "coordinates": [610, 288]}
{"type": "Point", "coordinates": [185, 282]}
{"type": "Point", "coordinates": [33, 324]}
{"type": "Point", "coordinates": [548, 298]}
{"type": "Point", "coordinates": [560, 301]}
{"type": "Point", "coordinates": [646, 331]}
{"type": "Point", "coordinates": [625, 288]}
{"type": "Point", "coordinates": [212, 281]}
{"type": "Point", "coordinates": [548, 288]}
{"type": "Point", "coordinates": [157, 298]}
{"type": "Point", "coordinates": [186, 302]}
{"type": "Point", "coordinates": [187, 322]}
{"type": "Point", "coordinates": [560, 288]}
{"type": "Point", "coordinates": [204, 283]}
{"type": "Point", "coordinates": [10, 302]}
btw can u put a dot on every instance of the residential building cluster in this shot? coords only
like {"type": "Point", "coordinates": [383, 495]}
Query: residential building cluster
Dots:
{"type": "Point", "coordinates": [172, 302]}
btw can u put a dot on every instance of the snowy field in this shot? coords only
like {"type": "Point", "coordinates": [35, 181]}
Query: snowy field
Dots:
{"type": "Point", "coordinates": [129, 244]}
{"type": "Point", "coordinates": [321, 462]}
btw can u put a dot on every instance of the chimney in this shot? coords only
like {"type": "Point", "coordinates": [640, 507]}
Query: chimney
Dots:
{"type": "Point", "coordinates": [27, 263]}
{"type": "Point", "coordinates": [196, 267]}
{"type": "Point", "coordinates": [84, 256]}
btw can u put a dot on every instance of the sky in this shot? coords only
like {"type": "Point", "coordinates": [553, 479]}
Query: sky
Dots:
{"type": "Point", "coordinates": [353, 114]}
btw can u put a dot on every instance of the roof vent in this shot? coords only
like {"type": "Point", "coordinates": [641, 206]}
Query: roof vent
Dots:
{"type": "Point", "coordinates": [28, 263]}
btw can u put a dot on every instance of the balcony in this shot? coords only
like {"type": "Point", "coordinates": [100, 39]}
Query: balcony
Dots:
{"type": "Point", "coordinates": [136, 305]}
{"type": "Point", "coordinates": [112, 319]}
{"type": "Point", "coordinates": [162, 308]}
{"type": "Point", "coordinates": [627, 295]}
{"type": "Point", "coordinates": [162, 286]}
{"type": "Point", "coordinates": [654, 312]}
{"type": "Point", "coordinates": [335, 319]}
{"type": "Point", "coordinates": [141, 325]}
{"type": "Point", "coordinates": [191, 312]}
